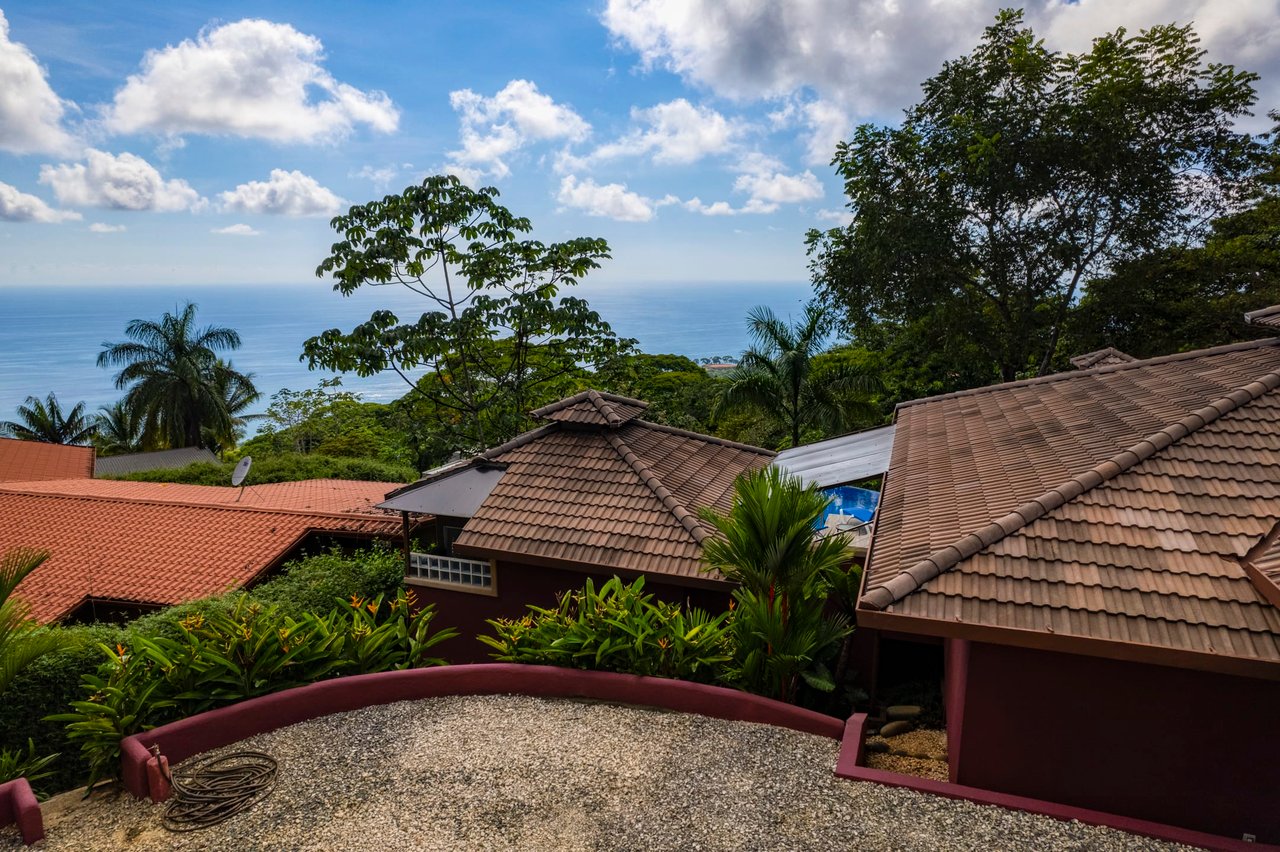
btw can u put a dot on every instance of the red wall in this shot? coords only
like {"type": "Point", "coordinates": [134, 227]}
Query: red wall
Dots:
{"type": "Point", "coordinates": [1172, 745]}
{"type": "Point", "coordinates": [521, 585]}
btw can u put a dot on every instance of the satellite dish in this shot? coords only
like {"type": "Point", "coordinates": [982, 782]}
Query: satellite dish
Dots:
{"type": "Point", "coordinates": [241, 471]}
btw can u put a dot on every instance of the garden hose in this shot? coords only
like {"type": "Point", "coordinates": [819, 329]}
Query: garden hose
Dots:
{"type": "Point", "coordinates": [217, 789]}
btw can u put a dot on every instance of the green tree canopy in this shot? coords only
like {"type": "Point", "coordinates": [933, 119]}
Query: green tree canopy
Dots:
{"type": "Point", "coordinates": [44, 420]}
{"type": "Point", "coordinates": [119, 430]}
{"type": "Point", "coordinates": [495, 335]}
{"type": "Point", "coordinates": [187, 396]}
{"type": "Point", "coordinates": [1023, 173]}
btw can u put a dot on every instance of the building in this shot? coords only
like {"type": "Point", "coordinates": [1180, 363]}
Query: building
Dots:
{"type": "Point", "coordinates": [25, 461]}
{"type": "Point", "coordinates": [128, 463]}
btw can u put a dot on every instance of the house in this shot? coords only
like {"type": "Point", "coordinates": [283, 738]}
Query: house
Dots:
{"type": "Point", "coordinates": [123, 465]}
{"type": "Point", "coordinates": [1096, 555]}
{"type": "Point", "coordinates": [120, 548]}
{"type": "Point", "coordinates": [593, 492]}
{"type": "Point", "coordinates": [22, 461]}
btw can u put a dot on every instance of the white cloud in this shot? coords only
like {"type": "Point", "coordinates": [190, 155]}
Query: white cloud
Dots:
{"type": "Point", "coordinates": [18, 206]}
{"type": "Point", "coordinates": [610, 200]}
{"type": "Point", "coordinates": [381, 176]}
{"type": "Point", "coordinates": [104, 228]}
{"type": "Point", "coordinates": [30, 113]}
{"type": "Point", "coordinates": [870, 56]}
{"type": "Point", "coordinates": [836, 217]}
{"type": "Point", "coordinates": [493, 128]}
{"type": "Point", "coordinates": [239, 230]}
{"type": "Point", "coordinates": [828, 124]}
{"type": "Point", "coordinates": [764, 180]}
{"type": "Point", "coordinates": [119, 182]}
{"type": "Point", "coordinates": [250, 78]}
{"type": "Point", "coordinates": [675, 132]}
{"type": "Point", "coordinates": [283, 194]}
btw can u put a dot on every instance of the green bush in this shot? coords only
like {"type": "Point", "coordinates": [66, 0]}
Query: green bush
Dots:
{"type": "Point", "coordinates": [250, 650]}
{"type": "Point", "coordinates": [286, 467]}
{"type": "Point", "coordinates": [617, 629]}
{"type": "Point", "coordinates": [29, 764]}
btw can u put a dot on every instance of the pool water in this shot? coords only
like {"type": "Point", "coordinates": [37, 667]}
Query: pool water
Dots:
{"type": "Point", "coordinates": [847, 500]}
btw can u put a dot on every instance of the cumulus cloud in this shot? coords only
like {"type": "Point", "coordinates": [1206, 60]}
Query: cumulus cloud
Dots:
{"type": "Point", "coordinates": [870, 56]}
{"type": "Point", "coordinates": [250, 78]}
{"type": "Point", "coordinates": [30, 113]}
{"type": "Point", "coordinates": [381, 176]}
{"type": "Point", "coordinates": [765, 181]}
{"type": "Point", "coordinates": [239, 230]}
{"type": "Point", "coordinates": [118, 182]}
{"type": "Point", "coordinates": [104, 228]}
{"type": "Point", "coordinates": [493, 128]}
{"type": "Point", "coordinates": [836, 217]}
{"type": "Point", "coordinates": [610, 200]}
{"type": "Point", "coordinates": [283, 194]}
{"type": "Point", "coordinates": [18, 206]}
{"type": "Point", "coordinates": [676, 132]}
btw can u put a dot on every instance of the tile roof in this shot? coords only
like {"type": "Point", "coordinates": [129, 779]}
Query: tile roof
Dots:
{"type": "Point", "coordinates": [1101, 358]}
{"type": "Point", "coordinates": [592, 408]}
{"type": "Point", "coordinates": [1112, 505]}
{"type": "Point", "coordinates": [342, 496]}
{"type": "Point", "coordinates": [159, 544]}
{"type": "Point", "coordinates": [1266, 317]}
{"type": "Point", "coordinates": [621, 495]}
{"type": "Point", "coordinates": [158, 460]}
{"type": "Point", "coordinates": [27, 460]}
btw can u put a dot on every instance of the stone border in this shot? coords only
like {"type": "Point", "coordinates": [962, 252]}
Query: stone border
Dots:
{"type": "Point", "coordinates": [18, 805]}
{"type": "Point", "coordinates": [851, 764]}
{"type": "Point", "coordinates": [197, 734]}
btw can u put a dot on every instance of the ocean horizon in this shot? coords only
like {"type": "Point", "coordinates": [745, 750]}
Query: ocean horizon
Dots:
{"type": "Point", "coordinates": [50, 337]}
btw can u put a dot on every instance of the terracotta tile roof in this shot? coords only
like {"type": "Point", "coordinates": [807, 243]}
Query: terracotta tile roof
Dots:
{"type": "Point", "coordinates": [28, 460]}
{"type": "Point", "coordinates": [592, 408]}
{"type": "Point", "coordinates": [622, 495]}
{"type": "Point", "coordinates": [1266, 317]}
{"type": "Point", "coordinates": [1101, 358]}
{"type": "Point", "coordinates": [155, 544]}
{"type": "Point", "coordinates": [1112, 505]}
{"type": "Point", "coordinates": [311, 495]}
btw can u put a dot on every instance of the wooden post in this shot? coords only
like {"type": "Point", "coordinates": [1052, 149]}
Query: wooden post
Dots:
{"type": "Point", "coordinates": [404, 526]}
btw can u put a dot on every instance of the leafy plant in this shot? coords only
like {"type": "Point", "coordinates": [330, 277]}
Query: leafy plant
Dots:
{"type": "Point", "coordinates": [15, 763]}
{"type": "Point", "coordinates": [21, 640]}
{"type": "Point", "coordinates": [618, 628]}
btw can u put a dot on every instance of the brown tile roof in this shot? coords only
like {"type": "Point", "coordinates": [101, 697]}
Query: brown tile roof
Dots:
{"type": "Point", "coordinates": [28, 460]}
{"type": "Point", "coordinates": [1112, 505]}
{"type": "Point", "coordinates": [618, 496]}
{"type": "Point", "coordinates": [592, 408]}
{"type": "Point", "coordinates": [1101, 358]}
{"type": "Point", "coordinates": [152, 543]}
{"type": "Point", "coordinates": [1266, 317]}
{"type": "Point", "coordinates": [1262, 565]}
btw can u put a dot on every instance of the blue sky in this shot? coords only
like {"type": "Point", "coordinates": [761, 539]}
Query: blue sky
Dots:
{"type": "Point", "coordinates": [188, 142]}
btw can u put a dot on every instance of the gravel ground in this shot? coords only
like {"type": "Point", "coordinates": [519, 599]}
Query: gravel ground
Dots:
{"type": "Point", "coordinates": [922, 753]}
{"type": "Point", "coordinates": [505, 772]}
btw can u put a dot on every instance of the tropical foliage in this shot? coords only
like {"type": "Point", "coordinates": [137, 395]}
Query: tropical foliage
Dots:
{"type": "Point", "coordinates": [174, 380]}
{"type": "Point", "coordinates": [119, 430]}
{"type": "Point", "coordinates": [618, 628]}
{"type": "Point", "coordinates": [44, 420]}
{"type": "Point", "coordinates": [776, 376]}
{"type": "Point", "coordinates": [285, 467]}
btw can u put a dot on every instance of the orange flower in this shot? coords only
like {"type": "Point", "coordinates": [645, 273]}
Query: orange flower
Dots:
{"type": "Point", "coordinates": [120, 650]}
{"type": "Point", "coordinates": [356, 602]}
{"type": "Point", "coordinates": [372, 607]}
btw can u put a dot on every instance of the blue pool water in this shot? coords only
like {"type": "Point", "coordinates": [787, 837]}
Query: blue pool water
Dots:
{"type": "Point", "coordinates": [847, 500]}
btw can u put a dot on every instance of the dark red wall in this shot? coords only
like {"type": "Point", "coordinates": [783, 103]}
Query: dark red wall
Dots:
{"type": "Point", "coordinates": [1183, 747]}
{"type": "Point", "coordinates": [521, 585]}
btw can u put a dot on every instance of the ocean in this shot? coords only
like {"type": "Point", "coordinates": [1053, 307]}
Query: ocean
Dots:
{"type": "Point", "coordinates": [50, 336]}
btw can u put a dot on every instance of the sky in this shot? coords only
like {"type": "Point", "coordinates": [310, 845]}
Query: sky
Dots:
{"type": "Point", "coordinates": [182, 142]}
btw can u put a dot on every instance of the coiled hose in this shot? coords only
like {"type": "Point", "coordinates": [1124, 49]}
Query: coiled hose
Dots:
{"type": "Point", "coordinates": [218, 788]}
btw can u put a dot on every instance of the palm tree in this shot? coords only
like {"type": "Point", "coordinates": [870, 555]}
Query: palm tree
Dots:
{"type": "Point", "coordinates": [44, 420]}
{"type": "Point", "coordinates": [174, 377]}
{"type": "Point", "coordinates": [21, 639]}
{"type": "Point", "coordinates": [238, 393]}
{"type": "Point", "coordinates": [776, 375]}
{"type": "Point", "coordinates": [119, 430]}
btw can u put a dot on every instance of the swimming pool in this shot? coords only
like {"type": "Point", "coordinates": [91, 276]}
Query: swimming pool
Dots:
{"type": "Point", "coordinates": [848, 500]}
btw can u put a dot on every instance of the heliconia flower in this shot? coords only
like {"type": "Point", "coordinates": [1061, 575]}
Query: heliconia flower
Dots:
{"type": "Point", "coordinates": [120, 650]}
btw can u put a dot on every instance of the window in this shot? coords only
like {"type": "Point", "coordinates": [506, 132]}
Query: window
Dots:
{"type": "Point", "coordinates": [451, 572]}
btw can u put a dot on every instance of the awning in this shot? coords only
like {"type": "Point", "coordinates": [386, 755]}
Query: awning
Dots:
{"type": "Point", "coordinates": [456, 493]}
{"type": "Point", "coordinates": [838, 461]}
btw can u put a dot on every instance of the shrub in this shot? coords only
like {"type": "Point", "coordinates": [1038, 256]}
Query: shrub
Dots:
{"type": "Point", "coordinates": [286, 467]}
{"type": "Point", "coordinates": [247, 651]}
{"type": "Point", "coordinates": [16, 763]}
{"type": "Point", "coordinates": [617, 629]}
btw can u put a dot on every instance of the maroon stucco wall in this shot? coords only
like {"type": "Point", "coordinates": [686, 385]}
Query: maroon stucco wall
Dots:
{"type": "Point", "coordinates": [520, 585]}
{"type": "Point", "coordinates": [1172, 745]}
{"type": "Point", "coordinates": [18, 805]}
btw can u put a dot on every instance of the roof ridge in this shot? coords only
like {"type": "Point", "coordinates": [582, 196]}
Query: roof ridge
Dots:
{"type": "Point", "coordinates": [907, 581]}
{"type": "Point", "coordinates": [1070, 375]}
{"type": "Point", "coordinates": [516, 442]}
{"type": "Point", "coordinates": [602, 400]}
{"type": "Point", "coordinates": [1262, 584]}
{"type": "Point", "coordinates": [686, 518]}
{"type": "Point", "coordinates": [239, 507]}
{"type": "Point", "coordinates": [710, 439]}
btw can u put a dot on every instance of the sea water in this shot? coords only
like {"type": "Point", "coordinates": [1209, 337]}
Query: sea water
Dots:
{"type": "Point", "coordinates": [50, 337]}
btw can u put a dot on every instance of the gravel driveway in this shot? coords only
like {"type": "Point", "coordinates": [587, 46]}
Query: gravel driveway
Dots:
{"type": "Point", "coordinates": [507, 772]}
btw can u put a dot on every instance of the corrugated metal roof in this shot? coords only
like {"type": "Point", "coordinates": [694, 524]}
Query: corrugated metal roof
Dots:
{"type": "Point", "coordinates": [158, 460]}
{"type": "Point", "coordinates": [457, 492]}
{"type": "Point", "coordinates": [838, 461]}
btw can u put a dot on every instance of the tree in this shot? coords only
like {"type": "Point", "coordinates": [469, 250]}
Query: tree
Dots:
{"type": "Point", "coordinates": [119, 430]}
{"type": "Point", "coordinates": [44, 420]}
{"type": "Point", "coordinates": [1023, 173]}
{"type": "Point", "coordinates": [21, 640]}
{"type": "Point", "coordinates": [176, 381]}
{"type": "Point", "coordinates": [776, 375]}
{"type": "Point", "coordinates": [238, 394]}
{"type": "Point", "coordinates": [495, 335]}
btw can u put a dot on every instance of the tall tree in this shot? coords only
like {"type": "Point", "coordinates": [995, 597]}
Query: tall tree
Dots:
{"type": "Point", "coordinates": [1022, 174]}
{"type": "Point", "coordinates": [44, 420]}
{"type": "Point", "coordinates": [175, 378]}
{"type": "Point", "coordinates": [495, 337]}
{"type": "Point", "coordinates": [119, 430]}
{"type": "Point", "coordinates": [776, 375]}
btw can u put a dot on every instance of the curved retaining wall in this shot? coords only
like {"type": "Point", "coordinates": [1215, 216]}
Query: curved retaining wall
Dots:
{"type": "Point", "coordinates": [194, 735]}
{"type": "Point", "coordinates": [18, 805]}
